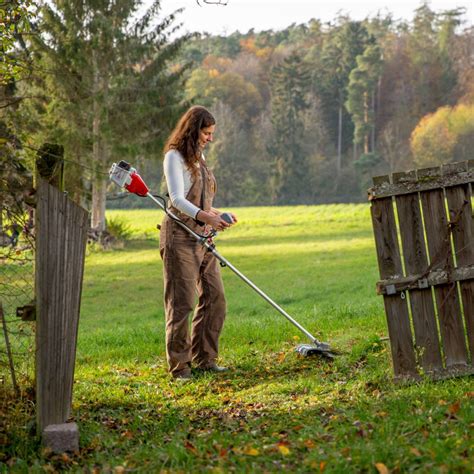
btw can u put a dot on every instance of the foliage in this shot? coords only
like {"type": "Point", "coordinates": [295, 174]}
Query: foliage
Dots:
{"type": "Point", "coordinates": [274, 411]}
{"type": "Point", "coordinates": [444, 136]}
{"type": "Point", "coordinates": [119, 228]}
{"type": "Point", "coordinates": [16, 18]}
{"type": "Point", "coordinates": [107, 87]}
{"type": "Point", "coordinates": [338, 58]}
{"type": "Point", "coordinates": [370, 83]}
{"type": "Point", "coordinates": [290, 85]}
{"type": "Point", "coordinates": [360, 103]}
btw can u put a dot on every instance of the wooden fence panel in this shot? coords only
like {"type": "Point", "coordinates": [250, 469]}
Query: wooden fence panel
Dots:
{"type": "Point", "coordinates": [390, 265]}
{"type": "Point", "coordinates": [61, 228]}
{"type": "Point", "coordinates": [438, 274]}
{"type": "Point", "coordinates": [416, 262]}
{"type": "Point", "coordinates": [446, 295]}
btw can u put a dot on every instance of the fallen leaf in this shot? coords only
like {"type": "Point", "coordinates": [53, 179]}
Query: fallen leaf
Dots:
{"type": "Point", "coordinates": [127, 434]}
{"type": "Point", "coordinates": [190, 446]}
{"type": "Point", "coordinates": [442, 402]}
{"type": "Point", "coordinates": [309, 443]}
{"type": "Point", "coordinates": [281, 357]}
{"type": "Point", "coordinates": [454, 408]}
{"type": "Point", "coordinates": [223, 453]}
{"type": "Point", "coordinates": [415, 452]}
{"type": "Point", "coordinates": [284, 449]}
{"type": "Point", "coordinates": [119, 470]}
{"type": "Point", "coordinates": [298, 427]}
{"type": "Point", "coordinates": [252, 451]}
{"type": "Point", "coordinates": [381, 468]}
{"type": "Point", "coordinates": [322, 466]}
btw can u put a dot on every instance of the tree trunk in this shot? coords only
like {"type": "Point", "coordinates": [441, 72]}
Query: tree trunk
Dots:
{"type": "Point", "coordinates": [98, 184]}
{"type": "Point", "coordinates": [98, 203]}
{"type": "Point", "coordinates": [98, 154]}
{"type": "Point", "coordinates": [372, 129]}
{"type": "Point", "coordinates": [1, 216]}
{"type": "Point", "coordinates": [339, 143]}
{"type": "Point", "coordinates": [366, 121]}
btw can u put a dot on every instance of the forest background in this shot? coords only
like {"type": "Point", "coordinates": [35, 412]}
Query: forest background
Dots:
{"type": "Point", "coordinates": [305, 115]}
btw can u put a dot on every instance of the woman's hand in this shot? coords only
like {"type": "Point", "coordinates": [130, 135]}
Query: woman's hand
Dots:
{"type": "Point", "coordinates": [213, 210]}
{"type": "Point", "coordinates": [213, 219]}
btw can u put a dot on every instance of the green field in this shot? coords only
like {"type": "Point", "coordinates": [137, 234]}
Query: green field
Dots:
{"type": "Point", "coordinates": [274, 411]}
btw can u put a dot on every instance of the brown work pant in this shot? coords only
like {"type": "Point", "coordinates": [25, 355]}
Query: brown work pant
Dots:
{"type": "Point", "coordinates": [188, 267]}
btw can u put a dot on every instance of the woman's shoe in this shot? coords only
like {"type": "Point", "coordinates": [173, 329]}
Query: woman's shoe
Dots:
{"type": "Point", "coordinates": [213, 368]}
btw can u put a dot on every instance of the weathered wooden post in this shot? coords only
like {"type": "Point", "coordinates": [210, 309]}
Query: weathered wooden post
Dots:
{"type": "Point", "coordinates": [61, 236]}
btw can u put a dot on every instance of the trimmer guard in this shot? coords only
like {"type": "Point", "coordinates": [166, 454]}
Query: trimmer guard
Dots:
{"type": "Point", "coordinates": [318, 348]}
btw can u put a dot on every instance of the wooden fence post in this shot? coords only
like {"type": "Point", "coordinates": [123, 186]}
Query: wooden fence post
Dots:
{"type": "Point", "coordinates": [61, 236]}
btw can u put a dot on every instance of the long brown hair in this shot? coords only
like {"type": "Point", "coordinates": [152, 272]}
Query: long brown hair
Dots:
{"type": "Point", "coordinates": [185, 136]}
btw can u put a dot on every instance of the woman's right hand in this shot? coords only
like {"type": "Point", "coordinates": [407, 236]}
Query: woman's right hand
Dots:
{"type": "Point", "coordinates": [213, 219]}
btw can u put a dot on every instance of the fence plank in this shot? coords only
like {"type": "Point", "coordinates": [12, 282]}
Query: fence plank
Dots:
{"type": "Point", "coordinates": [396, 309]}
{"type": "Point", "coordinates": [439, 246]}
{"type": "Point", "coordinates": [416, 262]}
{"type": "Point", "coordinates": [61, 228]}
{"type": "Point", "coordinates": [460, 212]}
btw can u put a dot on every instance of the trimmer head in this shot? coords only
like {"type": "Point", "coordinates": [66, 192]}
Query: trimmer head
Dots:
{"type": "Point", "coordinates": [316, 349]}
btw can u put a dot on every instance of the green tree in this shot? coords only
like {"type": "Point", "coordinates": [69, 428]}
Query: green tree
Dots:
{"type": "Point", "coordinates": [210, 86]}
{"type": "Point", "coordinates": [15, 22]}
{"type": "Point", "coordinates": [433, 78]}
{"type": "Point", "coordinates": [290, 83]}
{"type": "Point", "coordinates": [338, 59]}
{"type": "Point", "coordinates": [109, 89]}
{"type": "Point", "coordinates": [362, 89]}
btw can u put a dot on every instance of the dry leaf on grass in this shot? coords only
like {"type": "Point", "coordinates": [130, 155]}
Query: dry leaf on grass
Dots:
{"type": "Point", "coordinates": [381, 468]}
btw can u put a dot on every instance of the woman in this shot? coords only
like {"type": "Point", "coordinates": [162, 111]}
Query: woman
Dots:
{"type": "Point", "coordinates": [187, 265]}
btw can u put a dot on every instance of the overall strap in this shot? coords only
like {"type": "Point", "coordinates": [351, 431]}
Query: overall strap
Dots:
{"type": "Point", "coordinates": [203, 189]}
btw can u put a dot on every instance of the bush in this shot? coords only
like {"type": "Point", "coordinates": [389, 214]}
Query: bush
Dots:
{"type": "Point", "coordinates": [119, 228]}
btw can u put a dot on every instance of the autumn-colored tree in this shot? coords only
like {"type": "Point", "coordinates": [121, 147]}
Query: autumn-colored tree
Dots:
{"type": "Point", "coordinates": [209, 86]}
{"type": "Point", "coordinates": [444, 136]}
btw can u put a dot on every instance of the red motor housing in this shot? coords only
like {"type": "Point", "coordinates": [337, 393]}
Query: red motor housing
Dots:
{"type": "Point", "coordinates": [137, 185]}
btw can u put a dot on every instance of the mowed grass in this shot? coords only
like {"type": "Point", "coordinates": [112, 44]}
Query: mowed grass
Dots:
{"type": "Point", "coordinates": [274, 411]}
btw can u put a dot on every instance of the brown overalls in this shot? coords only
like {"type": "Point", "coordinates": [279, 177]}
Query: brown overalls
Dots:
{"type": "Point", "coordinates": [187, 267]}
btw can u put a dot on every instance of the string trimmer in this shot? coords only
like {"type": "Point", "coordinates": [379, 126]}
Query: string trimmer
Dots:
{"type": "Point", "coordinates": [127, 177]}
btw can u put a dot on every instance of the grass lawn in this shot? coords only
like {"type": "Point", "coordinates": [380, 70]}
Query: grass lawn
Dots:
{"type": "Point", "coordinates": [274, 411]}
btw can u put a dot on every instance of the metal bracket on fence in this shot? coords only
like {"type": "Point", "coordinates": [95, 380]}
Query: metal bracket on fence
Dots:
{"type": "Point", "coordinates": [423, 283]}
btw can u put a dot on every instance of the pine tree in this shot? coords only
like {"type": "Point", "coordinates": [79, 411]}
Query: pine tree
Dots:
{"type": "Point", "coordinates": [361, 95]}
{"type": "Point", "coordinates": [290, 82]}
{"type": "Point", "coordinates": [338, 58]}
{"type": "Point", "coordinates": [109, 89]}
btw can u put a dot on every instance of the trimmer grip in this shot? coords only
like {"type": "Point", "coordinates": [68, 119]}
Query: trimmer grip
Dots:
{"type": "Point", "coordinates": [227, 217]}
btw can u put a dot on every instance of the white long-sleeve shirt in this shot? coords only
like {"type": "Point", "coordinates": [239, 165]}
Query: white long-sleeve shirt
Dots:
{"type": "Point", "coordinates": [179, 182]}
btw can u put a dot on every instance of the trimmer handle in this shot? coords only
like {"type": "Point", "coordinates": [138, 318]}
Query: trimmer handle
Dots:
{"type": "Point", "coordinates": [226, 216]}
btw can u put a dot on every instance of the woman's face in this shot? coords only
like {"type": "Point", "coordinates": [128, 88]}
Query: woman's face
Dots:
{"type": "Point", "coordinates": [205, 136]}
